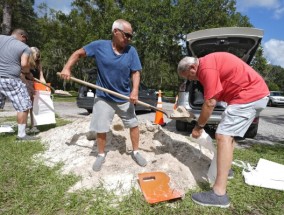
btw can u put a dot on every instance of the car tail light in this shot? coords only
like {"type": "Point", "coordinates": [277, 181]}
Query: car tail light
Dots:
{"type": "Point", "coordinates": [255, 120]}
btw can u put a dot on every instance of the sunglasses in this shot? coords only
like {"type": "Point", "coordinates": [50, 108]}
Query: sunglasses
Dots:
{"type": "Point", "coordinates": [125, 34]}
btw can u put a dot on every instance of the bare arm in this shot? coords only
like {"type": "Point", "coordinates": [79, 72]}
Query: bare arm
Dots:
{"type": "Point", "coordinates": [73, 59]}
{"type": "Point", "coordinates": [206, 111]}
{"type": "Point", "coordinates": [25, 67]}
{"type": "Point", "coordinates": [135, 86]}
{"type": "Point", "coordinates": [41, 76]}
{"type": "Point", "coordinates": [25, 63]}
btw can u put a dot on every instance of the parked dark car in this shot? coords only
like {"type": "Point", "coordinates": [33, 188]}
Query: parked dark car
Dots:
{"type": "Point", "coordinates": [276, 98]}
{"type": "Point", "coordinates": [85, 97]}
{"type": "Point", "coordinates": [240, 41]}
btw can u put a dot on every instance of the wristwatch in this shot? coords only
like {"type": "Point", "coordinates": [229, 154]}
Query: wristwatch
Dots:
{"type": "Point", "coordinates": [199, 126]}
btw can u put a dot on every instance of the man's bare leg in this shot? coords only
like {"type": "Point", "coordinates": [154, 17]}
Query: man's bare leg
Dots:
{"type": "Point", "coordinates": [218, 197]}
{"type": "Point", "coordinates": [22, 117]}
{"type": "Point", "coordinates": [225, 148]}
{"type": "Point", "coordinates": [134, 136]}
{"type": "Point", "coordinates": [101, 142]}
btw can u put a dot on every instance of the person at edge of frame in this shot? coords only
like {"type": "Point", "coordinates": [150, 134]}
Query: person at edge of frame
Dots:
{"type": "Point", "coordinates": [224, 77]}
{"type": "Point", "coordinates": [14, 60]}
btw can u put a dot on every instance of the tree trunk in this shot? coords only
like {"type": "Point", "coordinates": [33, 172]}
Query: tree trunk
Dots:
{"type": "Point", "coordinates": [7, 18]}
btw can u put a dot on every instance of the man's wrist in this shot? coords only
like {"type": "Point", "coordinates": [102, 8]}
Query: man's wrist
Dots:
{"type": "Point", "coordinates": [199, 126]}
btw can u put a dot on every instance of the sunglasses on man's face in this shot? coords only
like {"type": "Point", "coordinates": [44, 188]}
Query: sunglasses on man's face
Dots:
{"type": "Point", "coordinates": [125, 34]}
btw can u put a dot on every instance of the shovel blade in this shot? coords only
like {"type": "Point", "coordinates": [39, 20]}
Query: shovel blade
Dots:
{"type": "Point", "coordinates": [182, 113]}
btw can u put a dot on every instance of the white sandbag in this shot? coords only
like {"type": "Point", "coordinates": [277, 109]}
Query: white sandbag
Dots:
{"type": "Point", "coordinates": [206, 141]}
{"type": "Point", "coordinates": [43, 109]}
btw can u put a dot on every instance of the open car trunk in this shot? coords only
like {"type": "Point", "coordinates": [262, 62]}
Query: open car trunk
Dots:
{"type": "Point", "coordinates": [240, 41]}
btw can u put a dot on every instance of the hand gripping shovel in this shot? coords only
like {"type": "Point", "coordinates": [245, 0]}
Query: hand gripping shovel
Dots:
{"type": "Point", "coordinates": [182, 113]}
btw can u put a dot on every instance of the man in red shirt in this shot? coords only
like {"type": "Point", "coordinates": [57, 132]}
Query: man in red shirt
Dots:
{"type": "Point", "coordinates": [225, 77]}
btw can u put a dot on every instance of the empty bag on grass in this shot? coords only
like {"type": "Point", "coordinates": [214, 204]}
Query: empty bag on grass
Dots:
{"type": "Point", "coordinates": [267, 174]}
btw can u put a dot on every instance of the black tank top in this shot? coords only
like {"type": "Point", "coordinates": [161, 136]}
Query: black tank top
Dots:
{"type": "Point", "coordinates": [35, 73]}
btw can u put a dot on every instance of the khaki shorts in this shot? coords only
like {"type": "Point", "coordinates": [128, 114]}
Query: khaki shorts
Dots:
{"type": "Point", "coordinates": [103, 113]}
{"type": "Point", "coordinates": [237, 118]}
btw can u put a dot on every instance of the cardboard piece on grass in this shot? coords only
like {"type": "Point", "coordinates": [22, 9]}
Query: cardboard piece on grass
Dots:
{"type": "Point", "coordinates": [43, 109]}
{"type": "Point", "coordinates": [155, 187]}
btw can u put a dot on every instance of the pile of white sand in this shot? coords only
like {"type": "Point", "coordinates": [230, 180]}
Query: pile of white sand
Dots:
{"type": "Point", "coordinates": [164, 150]}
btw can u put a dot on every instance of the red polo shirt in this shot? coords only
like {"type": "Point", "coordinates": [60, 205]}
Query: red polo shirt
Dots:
{"type": "Point", "coordinates": [227, 78]}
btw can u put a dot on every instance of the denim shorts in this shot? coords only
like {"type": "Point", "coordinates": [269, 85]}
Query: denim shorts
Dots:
{"type": "Point", "coordinates": [103, 113]}
{"type": "Point", "coordinates": [237, 118]}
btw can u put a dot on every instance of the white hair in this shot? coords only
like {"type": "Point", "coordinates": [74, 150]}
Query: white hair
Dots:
{"type": "Point", "coordinates": [185, 63]}
{"type": "Point", "coordinates": [119, 24]}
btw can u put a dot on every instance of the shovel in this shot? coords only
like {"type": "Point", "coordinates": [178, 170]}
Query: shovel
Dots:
{"type": "Point", "coordinates": [58, 92]}
{"type": "Point", "coordinates": [181, 113]}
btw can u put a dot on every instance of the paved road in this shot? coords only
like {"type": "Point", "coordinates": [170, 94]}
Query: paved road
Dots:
{"type": "Point", "coordinates": [271, 126]}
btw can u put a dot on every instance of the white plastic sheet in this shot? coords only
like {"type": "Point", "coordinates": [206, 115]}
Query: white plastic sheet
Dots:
{"type": "Point", "coordinates": [6, 129]}
{"type": "Point", "coordinates": [266, 174]}
{"type": "Point", "coordinates": [43, 109]}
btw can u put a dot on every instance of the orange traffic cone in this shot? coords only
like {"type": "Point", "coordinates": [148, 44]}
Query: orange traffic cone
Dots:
{"type": "Point", "coordinates": [159, 119]}
{"type": "Point", "coordinates": [175, 105]}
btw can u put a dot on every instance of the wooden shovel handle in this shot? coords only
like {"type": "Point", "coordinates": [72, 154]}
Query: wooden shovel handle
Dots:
{"type": "Point", "coordinates": [113, 93]}
{"type": "Point", "coordinates": [44, 84]}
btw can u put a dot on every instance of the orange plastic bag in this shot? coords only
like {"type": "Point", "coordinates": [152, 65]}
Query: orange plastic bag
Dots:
{"type": "Point", "coordinates": [41, 87]}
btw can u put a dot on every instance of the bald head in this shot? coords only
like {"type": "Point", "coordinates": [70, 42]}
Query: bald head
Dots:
{"type": "Point", "coordinates": [20, 34]}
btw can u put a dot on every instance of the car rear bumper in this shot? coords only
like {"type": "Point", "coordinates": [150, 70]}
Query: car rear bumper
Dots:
{"type": "Point", "coordinates": [85, 102]}
{"type": "Point", "coordinates": [278, 102]}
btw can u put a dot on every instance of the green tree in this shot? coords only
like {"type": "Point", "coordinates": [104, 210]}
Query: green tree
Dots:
{"type": "Point", "coordinates": [275, 77]}
{"type": "Point", "coordinates": [159, 27]}
{"type": "Point", "coordinates": [17, 14]}
{"type": "Point", "coordinates": [259, 63]}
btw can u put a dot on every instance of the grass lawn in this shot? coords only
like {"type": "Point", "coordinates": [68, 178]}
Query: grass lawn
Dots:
{"type": "Point", "coordinates": [29, 187]}
{"type": "Point", "coordinates": [63, 98]}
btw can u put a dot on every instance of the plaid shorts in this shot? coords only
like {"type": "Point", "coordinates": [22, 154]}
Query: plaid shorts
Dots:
{"type": "Point", "coordinates": [17, 93]}
{"type": "Point", "coordinates": [30, 86]}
